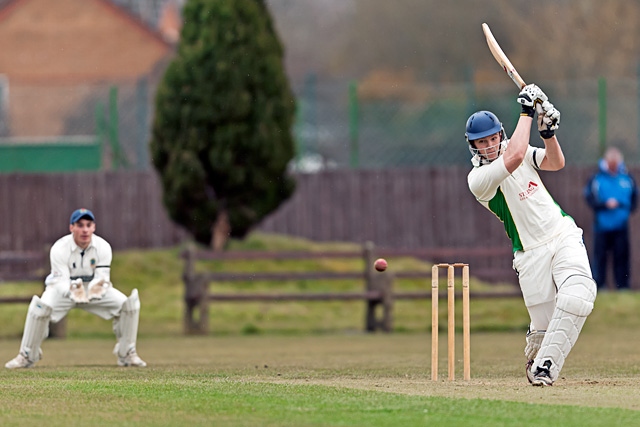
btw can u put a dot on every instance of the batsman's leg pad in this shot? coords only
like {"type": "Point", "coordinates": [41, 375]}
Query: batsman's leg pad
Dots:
{"type": "Point", "coordinates": [574, 303]}
{"type": "Point", "coordinates": [36, 329]}
{"type": "Point", "coordinates": [125, 326]}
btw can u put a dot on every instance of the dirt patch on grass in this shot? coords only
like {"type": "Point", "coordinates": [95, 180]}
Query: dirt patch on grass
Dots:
{"type": "Point", "coordinates": [614, 393]}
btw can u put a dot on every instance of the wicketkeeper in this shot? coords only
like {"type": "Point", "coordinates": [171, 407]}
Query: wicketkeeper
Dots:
{"type": "Point", "coordinates": [80, 277]}
{"type": "Point", "coordinates": [550, 257]}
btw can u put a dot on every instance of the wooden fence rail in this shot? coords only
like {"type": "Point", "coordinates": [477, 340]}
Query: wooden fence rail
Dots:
{"type": "Point", "coordinates": [27, 266]}
{"type": "Point", "coordinates": [377, 290]}
{"type": "Point", "coordinates": [20, 267]}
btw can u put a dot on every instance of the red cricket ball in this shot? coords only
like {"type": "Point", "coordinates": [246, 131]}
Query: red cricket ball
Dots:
{"type": "Point", "coordinates": [380, 264]}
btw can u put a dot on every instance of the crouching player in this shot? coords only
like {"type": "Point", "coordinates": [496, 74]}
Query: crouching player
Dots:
{"type": "Point", "coordinates": [80, 277]}
{"type": "Point", "coordinates": [549, 254]}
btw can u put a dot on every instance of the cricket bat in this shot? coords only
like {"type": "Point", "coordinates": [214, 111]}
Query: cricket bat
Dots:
{"type": "Point", "coordinates": [502, 59]}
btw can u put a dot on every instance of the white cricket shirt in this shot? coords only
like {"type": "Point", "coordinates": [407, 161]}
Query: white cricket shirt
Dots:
{"type": "Point", "coordinates": [69, 261]}
{"type": "Point", "coordinates": [520, 200]}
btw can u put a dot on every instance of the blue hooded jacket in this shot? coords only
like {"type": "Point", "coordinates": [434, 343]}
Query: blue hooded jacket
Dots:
{"type": "Point", "coordinates": [604, 185]}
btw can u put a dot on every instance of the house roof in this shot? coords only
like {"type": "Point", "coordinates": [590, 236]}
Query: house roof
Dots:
{"type": "Point", "coordinates": [75, 40]}
{"type": "Point", "coordinates": [150, 11]}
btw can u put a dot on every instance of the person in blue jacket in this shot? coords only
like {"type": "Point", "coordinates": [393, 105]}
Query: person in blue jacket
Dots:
{"type": "Point", "coordinates": [612, 194]}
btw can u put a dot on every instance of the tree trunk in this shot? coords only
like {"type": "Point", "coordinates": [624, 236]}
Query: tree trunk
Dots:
{"type": "Point", "coordinates": [221, 231]}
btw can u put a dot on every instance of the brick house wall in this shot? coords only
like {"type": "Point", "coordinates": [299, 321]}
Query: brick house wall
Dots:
{"type": "Point", "coordinates": [52, 55]}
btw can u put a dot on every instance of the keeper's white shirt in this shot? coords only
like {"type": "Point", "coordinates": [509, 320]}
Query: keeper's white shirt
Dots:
{"type": "Point", "coordinates": [520, 200]}
{"type": "Point", "coordinates": [69, 261]}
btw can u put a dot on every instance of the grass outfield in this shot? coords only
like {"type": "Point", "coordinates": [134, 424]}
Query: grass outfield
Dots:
{"type": "Point", "coordinates": [309, 364]}
{"type": "Point", "coordinates": [329, 380]}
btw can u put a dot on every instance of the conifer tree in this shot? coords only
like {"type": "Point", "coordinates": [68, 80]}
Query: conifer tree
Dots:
{"type": "Point", "coordinates": [222, 132]}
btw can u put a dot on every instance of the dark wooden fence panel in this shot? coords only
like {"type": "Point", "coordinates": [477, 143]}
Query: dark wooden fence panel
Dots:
{"type": "Point", "coordinates": [396, 208]}
{"type": "Point", "coordinates": [419, 208]}
{"type": "Point", "coordinates": [414, 208]}
{"type": "Point", "coordinates": [35, 209]}
{"type": "Point", "coordinates": [404, 208]}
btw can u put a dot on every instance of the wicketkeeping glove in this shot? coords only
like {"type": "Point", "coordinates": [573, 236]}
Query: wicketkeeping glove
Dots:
{"type": "Point", "coordinates": [76, 291]}
{"type": "Point", "coordinates": [548, 119]}
{"type": "Point", "coordinates": [529, 97]}
{"type": "Point", "coordinates": [97, 288]}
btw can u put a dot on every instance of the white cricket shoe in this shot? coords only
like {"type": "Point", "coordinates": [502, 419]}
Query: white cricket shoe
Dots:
{"type": "Point", "coordinates": [131, 359]}
{"type": "Point", "coordinates": [542, 377]}
{"type": "Point", "coordinates": [20, 361]}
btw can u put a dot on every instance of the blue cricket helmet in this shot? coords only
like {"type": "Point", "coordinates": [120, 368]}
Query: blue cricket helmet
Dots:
{"type": "Point", "coordinates": [482, 124]}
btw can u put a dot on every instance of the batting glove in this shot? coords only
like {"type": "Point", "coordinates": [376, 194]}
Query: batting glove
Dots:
{"type": "Point", "coordinates": [534, 342]}
{"type": "Point", "coordinates": [529, 97]}
{"type": "Point", "coordinates": [548, 119]}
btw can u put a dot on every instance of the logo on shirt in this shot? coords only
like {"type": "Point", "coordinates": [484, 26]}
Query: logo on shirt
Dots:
{"type": "Point", "coordinates": [532, 188]}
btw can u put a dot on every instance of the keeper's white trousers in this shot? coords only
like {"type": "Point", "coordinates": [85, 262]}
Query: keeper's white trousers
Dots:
{"type": "Point", "coordinates": [56, 296]}
{"type": "Point", "coordinates": [541, 270]}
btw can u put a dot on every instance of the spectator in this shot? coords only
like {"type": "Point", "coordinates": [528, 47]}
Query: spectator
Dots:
{"type": "Point", "coordinates": [612, 194]}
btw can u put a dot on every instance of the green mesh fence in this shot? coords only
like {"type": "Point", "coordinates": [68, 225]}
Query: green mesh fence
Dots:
{"type": "Point", "coordinates": [428, 129]}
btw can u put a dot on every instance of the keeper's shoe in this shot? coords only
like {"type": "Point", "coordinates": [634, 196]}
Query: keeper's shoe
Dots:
{"type": "Point", "coordinates": [20, 361]}
{"type": "Point", "coordinates": [131, 359]}
{"type": "Point", "coordinates": [542, 376]}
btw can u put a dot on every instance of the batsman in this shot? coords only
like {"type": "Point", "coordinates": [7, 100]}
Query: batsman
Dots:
{"type": "Point", "coordinates": [549, 255]}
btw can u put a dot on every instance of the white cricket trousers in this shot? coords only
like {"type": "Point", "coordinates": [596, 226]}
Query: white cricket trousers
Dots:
{"type": "Point", "coordinates": [542, 269]}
